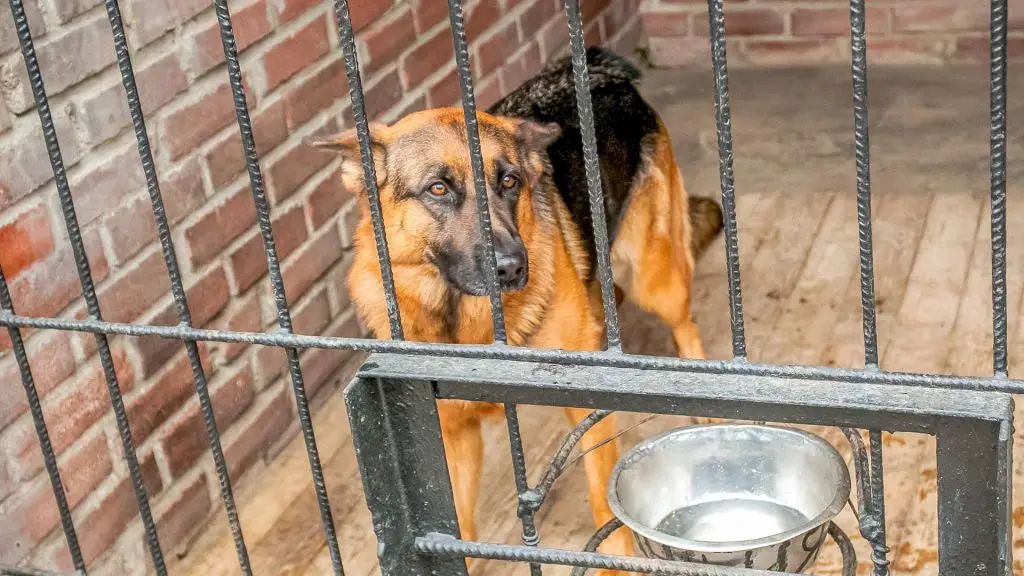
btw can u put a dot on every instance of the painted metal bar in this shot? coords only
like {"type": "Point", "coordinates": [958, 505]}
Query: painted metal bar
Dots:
{"type": "Point", "coordinates": [997, 142]}
{"type": "Point", "coordinates": [528, 501]}
{"type": "Point", "coordinates": [554, 357]}
{"type": "Point", "coordinates": [397, 437]}
{"type": "Point", "coordinates": [42, 433]}
{"type": "Point", "coordinates": [174, 275]}
{"type": "Point", "coordinates": [476, 159]}
{"type": "Point", "coordinates": [67, 206]}
{"type": "Point", "coordinates": [592, 167]}
{"type": "Point", "coordinates": [284, 319]}
{"type": "Point", "coordinates": [723, 121]}
{"type": "Point", "coordinates": [873, 524]}
{"type": "Point", "coordinates": [862, 149]}
{"type": "Point", "coordinates": [974, 460]}
{"type": "Point", "coordinates": [355, 93]}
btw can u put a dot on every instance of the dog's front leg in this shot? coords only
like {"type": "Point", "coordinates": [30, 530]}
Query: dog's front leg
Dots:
{"type": "Point", "coordinates": [598, 465]}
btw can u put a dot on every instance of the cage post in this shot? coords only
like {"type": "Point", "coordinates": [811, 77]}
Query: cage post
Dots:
{"type": "Point", "coordinates": [397, 437]}
{"type": "Point", "coordinates": [997, 168]}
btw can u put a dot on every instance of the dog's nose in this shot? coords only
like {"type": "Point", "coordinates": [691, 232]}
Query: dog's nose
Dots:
{"type": "Point", "coordinates": [511, 266]}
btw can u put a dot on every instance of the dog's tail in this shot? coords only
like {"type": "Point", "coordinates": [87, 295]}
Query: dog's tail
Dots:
{"type": "Point", "coordinates": [706, 222]}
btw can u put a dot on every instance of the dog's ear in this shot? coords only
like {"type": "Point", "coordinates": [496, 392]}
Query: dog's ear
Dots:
{"type": "Point", "coordinates": [537, 135]}
{"type": "Point", "coordinates": [347, 146]}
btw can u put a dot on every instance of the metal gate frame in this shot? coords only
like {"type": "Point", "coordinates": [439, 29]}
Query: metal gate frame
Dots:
{"type": "Point", "coordinates": [392, 402]}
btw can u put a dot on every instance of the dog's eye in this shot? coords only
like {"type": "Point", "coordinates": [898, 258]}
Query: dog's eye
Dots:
{"type": "Point", "coordinates": [438, 189]}
{"type": "Point", "coordinates": [509, 182]}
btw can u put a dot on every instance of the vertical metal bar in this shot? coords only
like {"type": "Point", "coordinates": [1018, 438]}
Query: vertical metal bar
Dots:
{"type": "Point", "coordinates": [284, 319]}
{"type": "Point", "coordinates": [45, 446]}
{"type": "Point", "coordinates": [863, 154]}
{"type": "Point", "coordinates": [174, 274]}
{"type": "Point", "coordinates": [67, 206]}
{"type": "Point", "coordinates": [998, 184]}
{"type": "Point", "coordinates": [723, 120]}
{"type": "Point", "coordinates": [477, 160]}
{"type": "Point", "coordinates": [974, 459]}
{"type": "Point", "coordinates": [873, 525]}
{"type": "Point", "coordinates": [527, 498]}
{"type": "Point", "coordinates": [581, 77]}
{"type": "Point", "coordinates": [397, 437]}
{"type": "Point", "coordinates": [355, 92]}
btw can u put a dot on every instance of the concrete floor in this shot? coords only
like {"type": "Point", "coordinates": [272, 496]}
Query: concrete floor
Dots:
{"type": "Point", "coordinates": [795, 181]}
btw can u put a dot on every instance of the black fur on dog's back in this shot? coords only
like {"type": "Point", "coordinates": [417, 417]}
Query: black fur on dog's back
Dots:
{"type": "Point", "coordinates": [623, 124]}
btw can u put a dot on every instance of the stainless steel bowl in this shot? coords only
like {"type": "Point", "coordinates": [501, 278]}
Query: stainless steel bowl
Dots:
{"type": "Point", "coordinates": [732, 495]}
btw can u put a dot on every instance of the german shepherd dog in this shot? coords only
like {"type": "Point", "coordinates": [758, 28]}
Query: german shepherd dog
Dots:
{"type": "Point", "coordinates": [543, 239]}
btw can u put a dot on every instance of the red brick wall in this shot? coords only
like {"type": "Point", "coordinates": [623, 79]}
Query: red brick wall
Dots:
{"type": "Point", "coordinates": [786, 32]}
{"type": "Point", "coordinates": [295, 78]}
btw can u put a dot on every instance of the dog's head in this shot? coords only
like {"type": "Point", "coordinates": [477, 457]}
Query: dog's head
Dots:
{"type": "Point", "coordinates": [428, 194]}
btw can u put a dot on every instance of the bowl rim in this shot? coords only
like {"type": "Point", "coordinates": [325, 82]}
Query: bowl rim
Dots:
{"type": "Point", "coordinates": [831, 511]}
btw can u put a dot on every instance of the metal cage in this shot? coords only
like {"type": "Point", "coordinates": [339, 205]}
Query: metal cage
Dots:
{"type": "Point", "coordinates": [393, 399]}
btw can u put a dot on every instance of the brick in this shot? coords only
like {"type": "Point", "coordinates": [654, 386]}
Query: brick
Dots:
{"type": "Point", "coordinates": [537, 15]}
{"type": "Point", "coordinates": [592, 34]}
{"type": "Point", "coordinates": [785, 52]}
{"type": "Point", "coordinates": [479, 19]}
{"type": "Point", "coordinates": [488, 92]}
{"type": "Point", "coordinates": [48, 287]}
{"type": "Point", "coordinates": [185, 441]}
{"type": "Point", "coordinates": [26, 167]}
{"type": "Point", "coordinates": [133, 226]}
{"type": "Point", "coordinates": [72, 414]}
{"type": "Point", "coordinates": [294, 53]}
{"type": "Point", "coordinates": [8, 35]}
{"type": "Point", "coordinates": [147, 20]}
{"type": "Point", "coordinates": [666, 24]}
{"type": "Point", "coordinates": [51, 361]}
{"type": "Point", "coordinates": [315, 94]}
{"type": "Point", "coordinates": [288, 10]}
{"type": "Point", "coordinates": [910, 50]}
{"type": "Point", "coordinates": [95, 191]}
{"type": "Point", "coordinates": [679, 51]}
{"type": "Point", "coordinates": [319, 364]}
{"type": "Point", "coordinates": [496, 50]}
{"type": "Point", "coordinates": [939, 18]}
{"type": "Point", "coordinates": [252, 442]}
{"type": "Point", "coordinates": [206, 297]}
{"type": "Point", "coordinates": [366, 11]}
{"type": "Point", "coordinates": [249, 23]}
{"type": "Point", "coordinates": [836, 22]}
{"type": "Point", "coordinates": [154, 405]}
{"type": "Point", "coordinates": [91, 42]}
{"type": "Point", "coordinates": [306, 266]}
{"type": "Point", "coordinates": [180, 517]}
{"type": "Point", "coordinates": [215, 229]}
{"type": "Point", "coordinates": [66, 10]}
{"type": "Point", "coordinates": [100, 529]}
{"type": "Point", "coordinates": [628, 38]}
{"type": "Point", "coordinates": [337, 287]}
{"type": "Point", "coordinates": [760, 22]}
{"type": "Point", "coordinates": [314, 315]}
{"type": "Point", "coordinates": [30, 516]}
{"type": "Point", "coordinates": [226, 161]}
{"type": "Point", "coordinates": [249, 261]}
{"type": "Point", "coordinates": [104, 114]}
{"type": "Point", "coordinates": [350, 217]}
{"type": "Point", "coordinates": [186, 128]}
{"type": "Point", "coordinates": [445, 91]}
{"type": "Point", "coordinates": [522, 68]}
{"type": "Point", "coordinates": [420, 103]}
{"type": "Point", "coordinates": [25, 240]}
{"type": "Point", "coordinates": [269, 363]}
{"type": "Point", "coordinates": [293, 169]}
{"type": "Point", "coordinates": [554, 38]}
{"type": "Point", "coordinates": [387, 39]}
{"type": "Point", "coordinates": [244, 318]}
{"type": "Point", "coordinates": [591, 9]}
{"type": "Point", "coordinates": [427, 58]}
{"type": "Point", "coordinates": [127, 297]}
{"type": "Point", "coordinates": [977, 49]}
{"type": "Point", "coordinates": [617, 19]}
{"type": "Point", "coordinates": [427, 14]}
{"type": "Point", "coordinates": [324, 202]}
{"type": "Point", "coordinates": [380, 97]}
